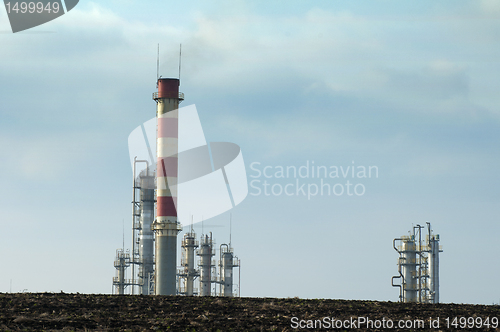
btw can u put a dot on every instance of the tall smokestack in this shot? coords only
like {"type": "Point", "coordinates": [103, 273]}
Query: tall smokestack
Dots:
{"type": "Point", "coordinates": [166, 226]}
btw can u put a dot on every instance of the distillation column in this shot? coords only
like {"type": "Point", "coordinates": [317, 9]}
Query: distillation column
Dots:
{"type": "Point", "coordinates": [145, 238]}
{"type": "Point", "coordinates": [409, 269]}
{"type": "Point", "coordinates": [189, 273]}
{"type": "Point", "coordinates": [166, 225]}
{"type": "Point", "coordinates": [206, 252]}
{"type": "Point", "coordinates": [227, 263]}
{"type": "Point", "coordinates": [122, 262]}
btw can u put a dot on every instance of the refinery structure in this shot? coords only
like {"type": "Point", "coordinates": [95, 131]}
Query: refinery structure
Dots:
{"type": "Point", "coordinates": [418, 266]}
{"type": "Point", "coordinates": [153, 260]}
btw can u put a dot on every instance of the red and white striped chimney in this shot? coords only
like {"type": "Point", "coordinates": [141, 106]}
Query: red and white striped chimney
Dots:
{"type": "Point", "coordinates": [167, 145]}
{"type": "Point", "coordinates": [166, 226]}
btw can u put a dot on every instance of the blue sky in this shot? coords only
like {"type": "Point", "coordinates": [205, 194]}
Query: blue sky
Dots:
{"type": "Point", "coordinates": [411, 87]}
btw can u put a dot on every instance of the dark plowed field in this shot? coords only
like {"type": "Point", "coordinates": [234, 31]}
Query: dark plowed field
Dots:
{"type": "Point", "coordinates": [81, 312]}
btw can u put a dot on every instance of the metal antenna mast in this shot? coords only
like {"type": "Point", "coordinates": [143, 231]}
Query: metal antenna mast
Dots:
{"type": "Point", "coordinates": [158, 64]}
{"type": "Point", "coordinates": [180, 55]}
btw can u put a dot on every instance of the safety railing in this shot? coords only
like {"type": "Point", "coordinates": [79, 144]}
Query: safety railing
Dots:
{"type": "Point", "coordinates": [180, 96]}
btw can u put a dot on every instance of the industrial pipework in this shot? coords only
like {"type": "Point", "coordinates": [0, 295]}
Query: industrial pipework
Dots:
{"type": "Point", "coordinates": [418, 266]}
{"type": "Point", "coordinates": [166, 226]}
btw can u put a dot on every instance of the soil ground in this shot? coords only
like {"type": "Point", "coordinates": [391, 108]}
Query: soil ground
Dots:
{"type": "Point", "coordinates": [89, 312]}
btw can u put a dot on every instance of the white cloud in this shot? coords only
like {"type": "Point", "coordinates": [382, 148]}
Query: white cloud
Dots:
{"type": "Point", "coordinates": [48, 157]}
{"type": "Point", "coordinates": [241, 47]}
{"type": "Point", "coordinates": [490, 6]}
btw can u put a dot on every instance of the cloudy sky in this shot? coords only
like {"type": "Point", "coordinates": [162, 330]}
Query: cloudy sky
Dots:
{"type": "Point", "coordinates": [408, 87]}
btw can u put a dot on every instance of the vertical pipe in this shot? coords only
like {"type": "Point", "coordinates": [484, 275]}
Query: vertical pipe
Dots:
{"type": "Point", "coordinates": [185, 270]}
{"type": "Point", "coordinates": [166, 226]}
{"type": "Point", "coordinates": [419, 252]}
{"type": "Point", "coordinates": [190, 265]}
{"type": "Point", "coordinates": [133, 226]}
{"type": "Point", "coordinates": [434, 269]}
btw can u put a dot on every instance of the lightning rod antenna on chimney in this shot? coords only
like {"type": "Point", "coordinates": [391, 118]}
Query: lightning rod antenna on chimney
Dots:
{"type": "Point", "coordinates": [158, 64]}
{"type": "Point", "coordinates": [180, 55]}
